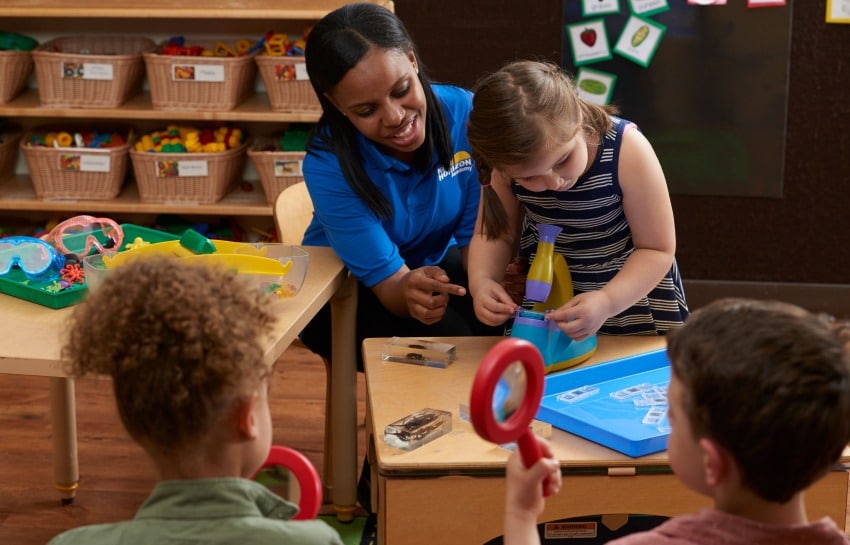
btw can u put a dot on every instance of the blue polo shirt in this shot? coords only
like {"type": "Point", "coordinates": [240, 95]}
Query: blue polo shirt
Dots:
{"type": "Point", "coordinates": [432, 210]}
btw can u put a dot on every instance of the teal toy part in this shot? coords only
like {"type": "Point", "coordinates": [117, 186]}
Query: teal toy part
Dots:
{"type": "Point", "coordinates": [196, 243]}
{"type": "Point", "coordinates": [12, 41]}
{"type": "Point", "coordinates": [558, 349]}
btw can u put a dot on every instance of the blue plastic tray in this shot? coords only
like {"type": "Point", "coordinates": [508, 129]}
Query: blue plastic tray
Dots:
{"type": "Point", "coordinates": [614, 423]}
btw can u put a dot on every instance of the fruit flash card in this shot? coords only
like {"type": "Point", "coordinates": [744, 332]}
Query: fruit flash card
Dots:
{"type": "Point", "coordinates": [640, 39]}
{"type": "Point", "coordinates": [589, 41]}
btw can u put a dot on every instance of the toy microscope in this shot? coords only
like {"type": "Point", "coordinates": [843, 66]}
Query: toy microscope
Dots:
{"type": "Point", "coordinates": [549, 286]}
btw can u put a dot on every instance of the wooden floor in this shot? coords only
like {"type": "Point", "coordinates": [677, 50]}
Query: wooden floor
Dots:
{"type": "Point", "coordinates": [115, 475]}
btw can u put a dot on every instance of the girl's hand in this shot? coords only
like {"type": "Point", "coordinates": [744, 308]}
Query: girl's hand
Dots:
{"type": "Point", "coordinates": [492, 304]}
{"type": "Point", "coordinates": [583, 315]}
{"type": "Point", "coordinates": [427, 291]}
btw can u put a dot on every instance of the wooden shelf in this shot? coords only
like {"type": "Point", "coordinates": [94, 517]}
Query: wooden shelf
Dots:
{"type": "Point", "coordinates": [47, 18]}
{"type": "Point", "coordinates": [17, 193]}
{"type": "Point", "coordinates": [255, 108]}
{"type": "Point", "coordinates": [175, 9]}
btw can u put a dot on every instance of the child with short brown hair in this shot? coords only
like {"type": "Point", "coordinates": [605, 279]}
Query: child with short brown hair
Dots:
{"type": "Point", "coordinates": [759, 405]}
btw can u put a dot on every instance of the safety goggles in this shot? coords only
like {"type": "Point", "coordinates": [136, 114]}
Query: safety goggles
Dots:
{"type": "Point", "coordinates": [82, 234]}
{"type": "Point", "coordinates": [34, 256]}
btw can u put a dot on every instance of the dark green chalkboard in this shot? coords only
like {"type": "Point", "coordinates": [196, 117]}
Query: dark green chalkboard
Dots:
{"type": "Point", "coordinates": [713, 100]}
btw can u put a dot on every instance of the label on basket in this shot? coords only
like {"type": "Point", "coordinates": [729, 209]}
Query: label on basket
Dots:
{"type": "Point", "coordinates": [197, 72]}
{"type": "Point", "coordinates": [87, 70]}
{"type": "Point", "coordinates": [287, 167]}
{"type": "Point", "coordinates": [84, 163]}
{"type": "Point", "coordinates": [169, 169]}
{"type": "Point", "coordinates": [291, 72]}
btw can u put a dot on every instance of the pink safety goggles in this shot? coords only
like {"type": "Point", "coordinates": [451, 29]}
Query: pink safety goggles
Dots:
{"type": "Point", "coordinates": [83, 235]}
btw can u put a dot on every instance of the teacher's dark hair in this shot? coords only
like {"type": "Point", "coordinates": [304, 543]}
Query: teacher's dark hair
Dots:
{"type": "Point", "coordinates": [335, 45]}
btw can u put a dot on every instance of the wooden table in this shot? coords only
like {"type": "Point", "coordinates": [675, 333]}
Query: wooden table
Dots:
{"type": "Point", "coordinates": [451, 490]}
{"type": "Point", "coordinates": [33, 344]}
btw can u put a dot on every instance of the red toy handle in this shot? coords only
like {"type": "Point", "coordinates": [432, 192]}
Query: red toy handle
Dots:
{"type": "Point", "coordinates": [308, 478]}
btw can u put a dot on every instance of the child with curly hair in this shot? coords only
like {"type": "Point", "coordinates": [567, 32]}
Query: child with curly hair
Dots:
{"type": "Point", "coordinates": [182, 344]}
{"type": "Point", "coordinates": [759, 405]}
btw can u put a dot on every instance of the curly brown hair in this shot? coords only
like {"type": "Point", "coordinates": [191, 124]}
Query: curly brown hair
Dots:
{"type": "Point", "coordinates": [181, 343]}
{"type": "Point", "coordinates": [770, 382]}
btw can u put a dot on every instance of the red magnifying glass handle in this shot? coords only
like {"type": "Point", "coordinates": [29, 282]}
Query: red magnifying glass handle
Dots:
{"type": "Point", "coordinates": [529, 450]}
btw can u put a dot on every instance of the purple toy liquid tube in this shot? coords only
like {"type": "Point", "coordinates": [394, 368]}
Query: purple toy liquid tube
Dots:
{"type": "Point", "coordinates": [538, 284]}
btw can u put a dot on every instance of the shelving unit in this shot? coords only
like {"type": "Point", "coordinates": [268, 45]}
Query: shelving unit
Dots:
{"type": "Point", "coordinates": [219, 18]}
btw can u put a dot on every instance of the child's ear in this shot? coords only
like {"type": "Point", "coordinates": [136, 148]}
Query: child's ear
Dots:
{"type": "Point", "coordinates": [717, 463]}
{"type": "Point", "coordinates": [245, 416]}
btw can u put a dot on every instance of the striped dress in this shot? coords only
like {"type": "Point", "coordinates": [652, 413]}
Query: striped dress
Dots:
{"type": "Point", "coordinates": [596, 240]}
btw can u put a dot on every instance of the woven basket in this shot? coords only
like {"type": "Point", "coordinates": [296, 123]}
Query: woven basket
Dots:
{"type": "Point", "coordinates": [76, 173]}
{"type": "Point", "coordinates": [199, 83]}
{"type": "Point", "coordinates": [9, 141]}
{"type": "Point", "coordinates": [158, 179]}
{"type": "Point", "coordinates": [15, 70]}
{"type": "Point", "coordinates": [277, 169]}
{"type": "Point", "coordinates": [285, 78]}
{"type": "Point", "coordinates": [90, 71]}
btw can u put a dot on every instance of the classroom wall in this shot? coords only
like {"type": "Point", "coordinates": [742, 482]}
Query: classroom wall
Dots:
{"type": "Point", "coordinates": [800, 238]}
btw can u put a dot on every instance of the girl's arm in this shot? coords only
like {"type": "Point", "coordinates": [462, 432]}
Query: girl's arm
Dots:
{"type": "Point", "coordinates": [488, 258]}
{"type": "Point", "coordinates": [646, 203]}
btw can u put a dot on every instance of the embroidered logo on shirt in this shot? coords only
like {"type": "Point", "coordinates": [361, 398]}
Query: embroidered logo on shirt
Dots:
{"type": "Point", "coordinates": [461, 162]}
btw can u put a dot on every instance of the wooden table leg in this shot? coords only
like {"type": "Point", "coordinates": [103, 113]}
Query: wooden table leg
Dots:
{"type": "Point", "coordinates": [64, 416]}
{"type": "Point", "coordinates": [344, 400]}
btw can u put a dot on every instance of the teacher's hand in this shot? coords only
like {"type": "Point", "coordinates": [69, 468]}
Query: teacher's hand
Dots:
{"type": "Point", "coordinates": [427, 291]}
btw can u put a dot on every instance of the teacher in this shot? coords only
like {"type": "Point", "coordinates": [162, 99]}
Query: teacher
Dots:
{"type": "Point", "coordinates": [394, 190]}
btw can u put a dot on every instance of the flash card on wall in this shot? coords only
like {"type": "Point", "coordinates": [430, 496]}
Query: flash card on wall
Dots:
{"type": "Point", "coordinates": [589, 41]}
{"type": "Point", "coordinates": [707, 2]}
{"type": "Point", "coordinates": [648, 7]}
{"type": "Point", "coordinates": [595, 86]}
{"type": "Point", "coordinates": [640, 39]}
{"type": "Point", "coordinates": [599, 7]}
{"type": "Point", "coordinates": [838, 11]}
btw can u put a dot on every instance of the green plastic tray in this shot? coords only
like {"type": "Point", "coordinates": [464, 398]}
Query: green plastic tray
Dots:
{"type": "Point", "coordinates": [47, 293]}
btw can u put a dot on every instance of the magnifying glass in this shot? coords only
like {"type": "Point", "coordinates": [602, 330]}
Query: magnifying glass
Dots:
{"type": "Point", "coordinates": [506, 394]}
{"type": "Point", "coordinates": [309, 482]}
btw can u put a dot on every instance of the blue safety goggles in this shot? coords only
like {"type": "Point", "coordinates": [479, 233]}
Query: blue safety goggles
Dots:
{"type": "Point", "coordinates": [37, 258]}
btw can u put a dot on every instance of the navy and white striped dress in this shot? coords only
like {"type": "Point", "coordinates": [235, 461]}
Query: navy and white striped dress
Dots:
{"type": "Point", "coordinates": [596, 240]}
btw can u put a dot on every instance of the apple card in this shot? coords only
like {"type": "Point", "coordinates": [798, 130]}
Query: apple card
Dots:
{"type": "Point", "coordinates": [595, 86]}
{"type": "Point", "coordinates": [648, 7]}
{"type": "Point", "coordinates": [838, 11]}
{"type": "Point", "coordinates": [589, 41]}
{"type": "Point", "coordinates": [640, 39]}
{"type": "Point", "coordinates": [599, 7]}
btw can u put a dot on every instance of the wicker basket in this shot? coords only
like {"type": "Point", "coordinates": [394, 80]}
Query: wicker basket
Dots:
{"type": "Point", "coordinates": [277, 169]}
{"type": "Point", "coordinates": [90, 71]}
{"type": "Point", "coordinates": [9, 141]}
{"type": "Point", "coordinates": [76, 173]}
{"type": "Point", "coordinates": [285, 78]}
{"type": "Point", "coordinates": [199, 83]}
{"type": "Point", "coordinates": [206, 178]}
{"type": "Point", "coordinates": [15, 70]}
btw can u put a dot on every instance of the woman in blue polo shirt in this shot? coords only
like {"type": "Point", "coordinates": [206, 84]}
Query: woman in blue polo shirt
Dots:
{"type": "Point", "coordinates": [393, 186]}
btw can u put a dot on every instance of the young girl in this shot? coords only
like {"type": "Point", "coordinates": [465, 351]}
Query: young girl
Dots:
{"type": "Point", "coordinates": [546, 156]}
